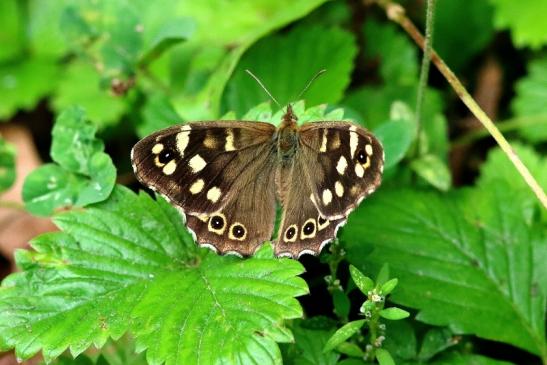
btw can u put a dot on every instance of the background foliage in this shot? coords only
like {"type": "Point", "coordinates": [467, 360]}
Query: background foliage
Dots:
{"type": "Point", "coordinates": [121, 281]}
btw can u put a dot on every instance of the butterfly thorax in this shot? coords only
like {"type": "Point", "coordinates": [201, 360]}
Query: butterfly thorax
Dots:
{"type": "Point", "coordinates": [287, 140]}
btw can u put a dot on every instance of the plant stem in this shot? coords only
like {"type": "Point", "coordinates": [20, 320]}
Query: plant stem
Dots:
{"type": "Point", "coordinates": [424, 71]}
{"type": "Point", "coordinates": [396, 13]}
{"type": "Point", "coordinates": [7, 204]}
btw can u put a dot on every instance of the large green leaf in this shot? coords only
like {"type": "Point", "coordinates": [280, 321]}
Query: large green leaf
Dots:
{"type": "Point", "coordinates": [530, 100]}
{"type": "Point", "coordinates": [128, 264]}
{"type": "Point", "coordinates": [525, 19]}
{"type": "Point", "coordinates": [298, 55]}
{"type": "Point", "coordinates": [44, 28]}
{"type": "Point", "coordinates": [471, 260]}
{"type": "Point", "coordinates": [11, 35]}
{"type": "Point", "coordinates": [84, 174]}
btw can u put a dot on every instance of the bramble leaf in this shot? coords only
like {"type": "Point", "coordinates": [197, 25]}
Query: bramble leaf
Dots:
{"type": "Point", "coordinates": [290, 74]}
{"type": "Point", "coordinates": [83, 175]}
{"type": "Point", "coordinates": [128, 264]}
{"type": "Point", "coordinates": [474, 256]}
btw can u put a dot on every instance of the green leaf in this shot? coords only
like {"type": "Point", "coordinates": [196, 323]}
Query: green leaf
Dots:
{"type": "Point", "coordinates": [83, 175]}
{"type": "Point", "coordinates": [455, 46]}
{"type": "Point", "coordinates": [433, 170]}
{"type": "Point", "coordinates": [350, 349]}
{"type": "Point", "coordinates": [435, 341]}
{"type": "Point", "coordinates": [342, 334]}
{"type": "Point", "coordinates": [400, 339]}
{"type": "Point", "coordinates": [157, 113]}
{"type": "Point", "coordinates": [12, 35]}
{"type": "Point", "coordinates": [127, 264]}
{"type": "Point", "coordinates": [7, 165]}
{"type": "Point", "coordinates": [364, 283]}
{"type": "Point", "coordinates": [524, 19]}
{"type": "Point", "coordinates": [456, 358]}
{"type": "Point", "coordinates": [396, 53]}
{"type": "Point", "coordinates": [384, 358]}
{"type": "Point", "coordinates": [80, 85]}
{"type": "Point", "coordinates": [24, 83]}
{"type": "Point", "coordinates": [308, 345]}
{"type": "Point", "coordinates": [342, 303]}
{"type": "Point", "coordinates": [388, 286]}
{"type": "Point", "coordinates": [530, 100]}
{"type": "Point", "coordinates": [394, 313]}
{"type": "Point", "coordinates": [291, 74]}
{"type": "Point", "coordinates": [44, 28]}
{"type": "Point", "coordinates": [474, 256]}
{"type": "Point", "coordinates": [396, 138]}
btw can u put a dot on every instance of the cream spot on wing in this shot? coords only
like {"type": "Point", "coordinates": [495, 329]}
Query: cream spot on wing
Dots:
{"type": "Point", "coordinates": [335, 141]}
{"type": "Point", "coordinates": [353, 140]}
{"type": "Point", "coordinates": [197, 163]}
{"type": "Point", "coordinates": [158, 147]}
{"type": "Point", "coordinates": [366, 165]}
{"type": "Point", "coordinates": [229, 146]}
{"type": "Point", "coordinates": [324, 142]}
{"type": "Point", "coordinates": [342, 165]}
{"type": "Point", "coordinates": [183, 137]}
{"type": "Point", "coordinates": [213, 194]}
{"type": "Point", "coordinates": [370, 191]}
{"type": "Point", "coordinates": [197, 186]}
{"type": "Point", "coordinates": [157, 162]}
{"type": "Point", "coordinates": [368, 149]}
{"type": "Point", "coordinates": [170, 167]}
{"type": "Point", "coordinates": [339, 189]}
{"type": "Point", "coordinates": [210, 141]}
{"type": "Point", "coordinates": [327, 197]}
{"type": "Point", "coordinates": [312, 199]}
{"type": "Point", "coordinates": [359, 170]}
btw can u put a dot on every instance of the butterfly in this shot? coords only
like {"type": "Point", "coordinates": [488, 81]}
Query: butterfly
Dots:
{"type": "Point", "coordinates": [225, 178]}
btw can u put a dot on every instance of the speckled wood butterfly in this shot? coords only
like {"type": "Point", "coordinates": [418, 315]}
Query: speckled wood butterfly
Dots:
{"type": "Point", "coordinates": [226, 176]}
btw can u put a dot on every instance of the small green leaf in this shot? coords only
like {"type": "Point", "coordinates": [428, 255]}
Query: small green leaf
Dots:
{"type": "Point", "coordinates": [396, 138]}
{"type": "Point", "coordinates": [364, 283]}
{"type": "Point", "coordinates": [384, 357]}
{"type": "Point", "coordinates": [84, 174]}
{"type": "Point", "coordinates": [343, 333]}
{"type": "Point", "coordinates": [433, 170]}
{"type": "Point", "coordinates": [530, 100]}
{"type": "Point", "coordinates": [394, 313]}
{"type": "Point", "coordinates": [350, 349]}
{"type": "Point", "coordinates": [383, 275]}
{"type": "Point", "coordinates": [291, 75]}
{"type": "Point", "coordinates": [341, 303]}
{"type": "Point", "coordinates": [388, 286]}
{"type": "Point", "coordinates": [7, 165]}
{"type": "Point", "coordinates": [435, 341]}
{"type": "Point", "coordinates": [128, 264]}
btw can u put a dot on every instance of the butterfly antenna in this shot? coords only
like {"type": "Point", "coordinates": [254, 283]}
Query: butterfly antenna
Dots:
{"type": "Point", "coordinates": [321, 72]}
{"type": "Point", "coordinates": [263, 87]}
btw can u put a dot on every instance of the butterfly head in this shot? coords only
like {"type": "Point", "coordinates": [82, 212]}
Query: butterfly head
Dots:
{"type": "Point", "coordinates": [289, 118]}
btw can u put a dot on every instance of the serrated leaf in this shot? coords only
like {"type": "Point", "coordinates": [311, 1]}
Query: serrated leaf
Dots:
{"type": "Point", "coordinates": [342, 334]}
{"type": "Point", "coordinates": [394, 313]}
{"type": "Point", "coordinates": [433, 170]}
{"type": "Point", "coordinates": [24, 83]}
{"type": "Point", "coordinates": [530, 100]}
{"type": "Point", "coordinates": [384, 357]}
{"type": "Point", "coordinates": [397, 56]}
{"type": "Point", "coordinates": [80, 85]}
{"type": "Point", "coordinates": [7, 165]}
{"type": "Point", "coordinates": [524, 19]}
{"type": "Point", "coordinates": [308, 345]}
{"type": "Point", "coordinates": [364, 283]}
{"type": "Point", "coordinates": [83, 175]}
{"type": "Point", "coordinates": [469, 260]}
{"type": "Point", "coordinates": [291, 74]}
{"type": "Point", "coordinates": [127, 264]}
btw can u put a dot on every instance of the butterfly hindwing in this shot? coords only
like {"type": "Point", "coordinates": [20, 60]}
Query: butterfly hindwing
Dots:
{"type": "Point", "coordinates": [198, 166]}
{"type": "Point", "coordinates": [343, 164]}
{"type": "Point", "coordinates": [303, 229]}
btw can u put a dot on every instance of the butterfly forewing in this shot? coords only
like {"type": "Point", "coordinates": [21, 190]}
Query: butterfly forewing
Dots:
{"type": "Point", "coordinates": [343, 163]}
{"type": "Point", "coordinates": [199, 166]}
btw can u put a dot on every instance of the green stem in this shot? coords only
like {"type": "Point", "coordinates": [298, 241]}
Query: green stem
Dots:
{"type": "Point", "coordinates": [397, 13]}
{"type": "Point", "coordinates": [424, 71]}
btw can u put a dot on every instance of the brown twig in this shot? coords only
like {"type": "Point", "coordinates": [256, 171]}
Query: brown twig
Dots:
{"type": "Point", "coordinates": [396, 13]}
